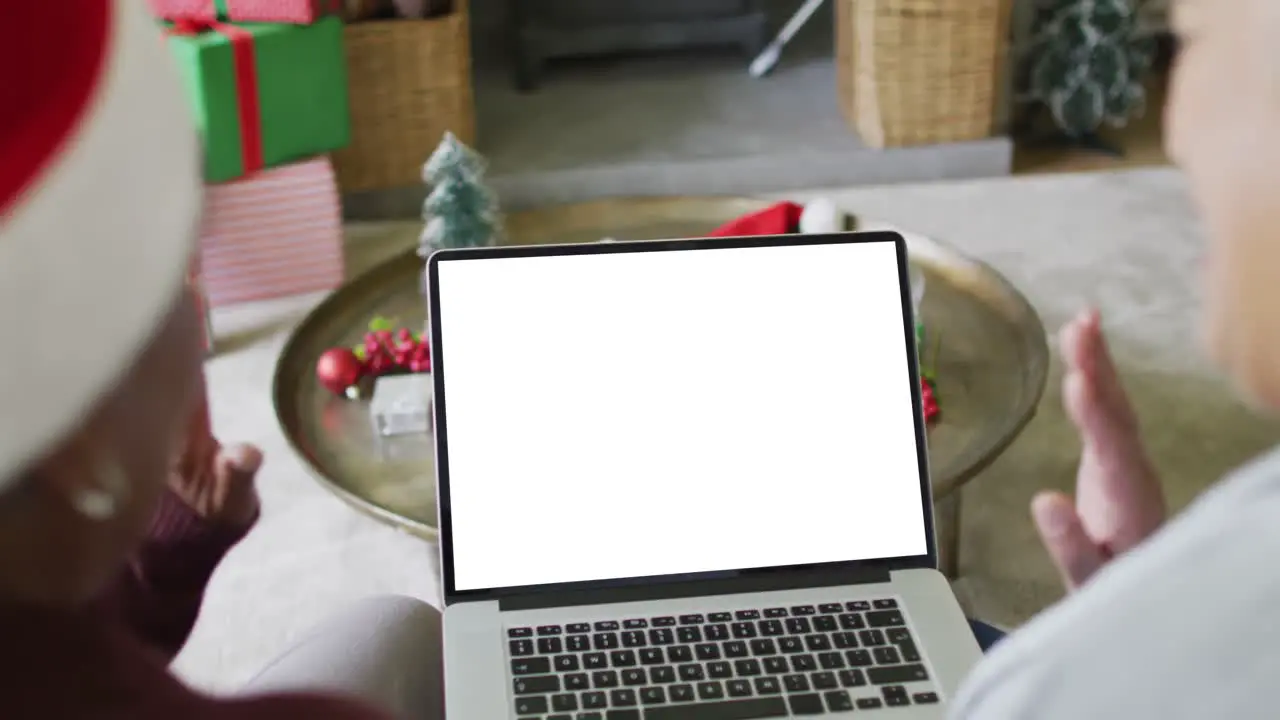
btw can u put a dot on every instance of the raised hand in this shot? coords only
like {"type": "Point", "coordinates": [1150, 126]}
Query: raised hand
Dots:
{"type": "Point", "coordinates": [217, 483]}
{"type": "Point", "coordinates": [1119, 501]}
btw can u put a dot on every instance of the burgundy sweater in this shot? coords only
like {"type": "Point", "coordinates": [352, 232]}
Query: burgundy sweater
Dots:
{"type": "Point", "coordinates": [108, 662]}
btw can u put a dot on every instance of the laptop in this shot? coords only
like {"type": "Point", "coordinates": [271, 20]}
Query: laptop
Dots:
{"type": "Point", "coordinates": [687, 480]}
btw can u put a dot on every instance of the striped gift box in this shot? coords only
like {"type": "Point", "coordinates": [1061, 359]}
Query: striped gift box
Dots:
{"type": "Point", "coordinates": [275, 234]}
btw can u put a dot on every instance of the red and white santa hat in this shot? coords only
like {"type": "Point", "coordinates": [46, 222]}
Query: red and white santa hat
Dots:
{"type": "Point", "coordinates": [100, 196]}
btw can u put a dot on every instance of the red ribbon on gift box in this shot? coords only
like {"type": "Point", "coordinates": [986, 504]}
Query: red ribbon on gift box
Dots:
{"type": "Point", "coordinates": [246, 74]}
{"type": "Point", "coordinates": [223, 8]}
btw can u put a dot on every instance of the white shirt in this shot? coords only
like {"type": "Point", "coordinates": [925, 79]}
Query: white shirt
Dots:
{"type": "Point", "coordinates": [1185, 626]}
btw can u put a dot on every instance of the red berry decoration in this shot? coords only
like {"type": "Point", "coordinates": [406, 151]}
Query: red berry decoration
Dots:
{"type": "Point", "coordinates": [928, 401]}
{"type": "Point", "coordinates": [339, 369]}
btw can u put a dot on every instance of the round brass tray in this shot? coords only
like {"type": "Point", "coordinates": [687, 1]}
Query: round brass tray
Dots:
{"type": "Point", "coordinates": [985, 342]}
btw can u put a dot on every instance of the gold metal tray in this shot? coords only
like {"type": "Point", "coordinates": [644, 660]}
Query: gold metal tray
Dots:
{"type": "Point", "coordinates": [991, 359]}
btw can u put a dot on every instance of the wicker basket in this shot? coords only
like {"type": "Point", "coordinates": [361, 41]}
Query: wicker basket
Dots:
{"type": "Point", "coordinates": [919, 72]}
{"type": "Point", "coordinates": [410, 82]}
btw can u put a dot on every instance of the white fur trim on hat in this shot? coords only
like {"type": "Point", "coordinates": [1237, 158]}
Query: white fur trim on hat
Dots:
{"type": "Point", "coordinates": [93, 255]}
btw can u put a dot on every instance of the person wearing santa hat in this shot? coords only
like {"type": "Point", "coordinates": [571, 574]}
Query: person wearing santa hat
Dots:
{"type": "Point", "coordinates": [111, 519]}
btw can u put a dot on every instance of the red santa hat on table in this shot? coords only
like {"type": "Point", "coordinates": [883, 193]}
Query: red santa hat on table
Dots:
{"type": "Point", "coordinates": [99, 199]}
{"type": "Point", "coordinates": [786, 218]}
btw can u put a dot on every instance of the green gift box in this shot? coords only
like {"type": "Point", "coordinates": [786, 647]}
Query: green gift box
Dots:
{"type": "Point", "coordinates": [263, 94]}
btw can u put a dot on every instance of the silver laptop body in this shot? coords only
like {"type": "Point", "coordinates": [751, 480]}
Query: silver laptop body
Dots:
{"type": "Point", "coordinates": [687, 479]}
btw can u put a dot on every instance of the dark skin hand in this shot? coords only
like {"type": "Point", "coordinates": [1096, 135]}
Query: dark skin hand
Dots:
{"type": "Point", "coordinates": [216, 482]}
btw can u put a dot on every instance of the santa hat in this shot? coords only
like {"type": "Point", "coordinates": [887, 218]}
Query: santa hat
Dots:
{"type": "Point", "coordinates": [787, 218]}
{"type": "Point", "coordinates": [99, 199]}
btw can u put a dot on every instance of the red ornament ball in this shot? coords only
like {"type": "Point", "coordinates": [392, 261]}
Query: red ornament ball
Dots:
{"type": "Point", "coordinates": [338, 369]}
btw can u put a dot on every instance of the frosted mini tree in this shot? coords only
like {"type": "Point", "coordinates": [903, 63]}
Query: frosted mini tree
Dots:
{"type": "Point", "coordinates": [460, 211]}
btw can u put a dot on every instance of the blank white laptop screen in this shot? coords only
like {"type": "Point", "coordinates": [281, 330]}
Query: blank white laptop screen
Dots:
{"type": "Point", "coordinates": [653, 413]}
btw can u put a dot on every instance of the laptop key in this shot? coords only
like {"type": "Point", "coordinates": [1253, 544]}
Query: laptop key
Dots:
{"type": "Point", "coordinates": [838, 701]}
{"type": "Point", "coordinates": [662, 636]}
{"type": "Point", "coordinates": [595, 661]}
{"type": "Point", "coordinates": [710, 690]}
{"type": "Point", "coordinates": [910, 653]}
{"type": "Point", "coordinates": [680, 693]}
{"type": "Point", "coordinates": [604, 679]}
{"type": "Point", "coordinates": [679, 654]}
{"type": "Point", "coordinates": [625, 697]}
{"type": "Point", "coordinates": [606, 625]}
{"type": "Point", "coordinates": [790, 644]}
{"type": "Point", "coordinates": [716, 632]}
{"type": "Point", "coordinates": [520, 632]}
{"type": "Point", "coordinates": [530, 666]}
{"type": "Point", "coordinates": [589, 716]}
{"type": "Point", "coordinates": [653, 696]}
{"type": "Point", "coordinates": [802, 610]}
{"type": "Point", "coordinates": [691, 673]}
{"type": "Point", "coordinates": [845, 640]}
{"type": "Point", "coordinates": [623, 714]}
{"type": "Point", "coordinates": [738, 688]}
{"type": "Point", "coordinates": [719, 617]}
{"type": "Point", "coordinates": [925, 698]}
{"type": "Point", "coordinates": [560, 716]}
{"type": "Point", "coordinates": [795, 683]}
{"type": "Point", "coordinates": [858, 658]}
{"type": "Point", "coordinates": [806, 704]}
{"type": "Point", "coordinates": [549, 630]}
{"type": "Point", "coordinates": [576, 681]}
{"type": "Point", "coordinates": [634, 677]}
{"type": "Point", "coordinates": [830, 608]}
{"type": "Point", "coordinates": [633, 639]}
{"type": "Point", "coordinates": [747, 668]}
{"type": "Point", "coordinates": [742, 630]}
{"type": "Point", "coordinates": [772, 628]}
{"type": "Point", "coordinates": [803, 663]}
{"type": "Point", "coordinates": [745, 709]}
{"type": "Point", "coordinates": [886, 656]}
{"type": "Point", "coordinates": [564, 703]}
{"type": "Point", "coordinates": [852, 678]}
{"type": "Point", "coordinates": [651, 656]}
{"type": "Point", "coordinates": [776, 665]}
{"type": "Point", "coordinates": [566, 663]}
{"type": "Point", "coordinates": [577, 628]}
{"type": "Point", "coordinates": [635, 624]}
{"type": "Point", "coordinates": [692, 619]}
{"type": "Point", "coordinates": [578, 643]}
{"type": "Point", "coordinates": [689, 634]}
{"type": "Point", "coordinates": [898, 635]}
{"type": "Point", "coordinates": [894, 674]}
{"type": "Point", "coordinates": [663, 621]}
{"type": "Point", "coordinates": [775, 612]}
{"type": "Point", "coordinates": [536, 684]}
{"type": "Point", "coordinates": [825, 680]}
{"type": "Point", "coordinates": [885, 618]}
{"type": "Point", "coordinates": [532, 705]}
{"type": "Point", "coordinates": [852, 621]}
{"type": "Point", "coordinates": [799, 626]}
{"type": "Point", "coordinates": [831, 661]}
{"type": "Point", "coordinates": [622, 658]}
{"type": "Point", "coordinates": [736, 649]}
{"type": "Point", "coordinates": [521, 647]}
{"type": "Point", "coordinates": [886, 604]}
{"type": "Point", "coordinates": [871, 638]}
{"type": "Point", "coordinates": [869, 703]}
{"type": "Point", "coordinates": [594, 700]}
{"type": "Point", "coordinates": [857, 606]}
{"type": "Point", "coordinates": [768, 686]}
{"type": "Point", "coordinates": [719, 670]}
{"type": "Point", "coordinates": [550, 646]}
{"type": "Point", "coordinates": [817, 643]}
{"type": "Point", "coordinates": [824, 624]}
{"type": "Point", "coordinates": [763, 646]}
{"type": "Point", "coordinates": [664, 674]}
{"type": "Point", "coordinates": [747, 614]}
{"type": "Point", "coordinates": [605, 641]}
{"type": "Point", "coordinates": [707, 651]}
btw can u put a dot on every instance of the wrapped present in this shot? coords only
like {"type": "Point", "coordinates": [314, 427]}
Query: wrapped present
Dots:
{"type": "Point", "coordinates": [275, 234]}
{"type": "Point", "coordinates": [263, 95]}
{"type": "Point", "coordinates": [298, 12]}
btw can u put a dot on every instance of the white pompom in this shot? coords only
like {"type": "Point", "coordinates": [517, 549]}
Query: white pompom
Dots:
{"type": "Point", "coordinates": [821, 216]}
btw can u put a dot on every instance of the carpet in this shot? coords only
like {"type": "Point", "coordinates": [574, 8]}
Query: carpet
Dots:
{"type": "Point", "coordinates": [1125, 241]}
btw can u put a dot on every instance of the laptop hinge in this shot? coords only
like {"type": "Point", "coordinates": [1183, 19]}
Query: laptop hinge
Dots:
{"type": "Point", "coordinates": [764, 581]}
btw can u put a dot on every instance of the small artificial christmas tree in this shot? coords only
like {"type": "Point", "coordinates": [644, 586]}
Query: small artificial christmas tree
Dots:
{"type": "Point", "coordinates": [1086, 65]}
{"type": "Point", "coordinates": [460, 211]}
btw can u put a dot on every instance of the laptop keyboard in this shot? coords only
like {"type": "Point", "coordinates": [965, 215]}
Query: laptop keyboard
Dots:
{"type": "Point", "coordinates": [753, 663]}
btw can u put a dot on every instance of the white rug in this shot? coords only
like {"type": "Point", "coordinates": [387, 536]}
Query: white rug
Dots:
{"type": "Point", "coordinates": [1124, 241]}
